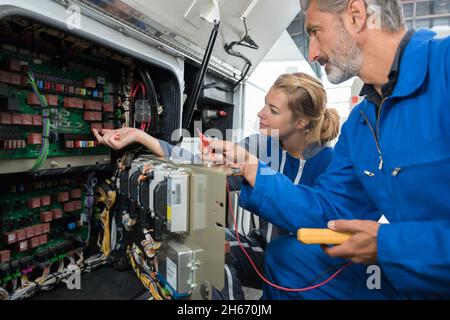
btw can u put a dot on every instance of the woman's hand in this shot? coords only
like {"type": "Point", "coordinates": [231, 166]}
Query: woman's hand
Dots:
{"type": "Point", "coordinates": [119, 138]}
{"type": "Point", "coordinates": [231, 155]}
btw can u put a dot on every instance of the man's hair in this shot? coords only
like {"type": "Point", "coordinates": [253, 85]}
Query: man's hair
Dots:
{"type": "Point", "coordinates": [390, 11]}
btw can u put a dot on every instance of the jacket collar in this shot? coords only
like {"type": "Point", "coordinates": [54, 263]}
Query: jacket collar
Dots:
{"type": "Point", "coordinates": [413, 68]}
{"type": "Point", "coordinates": [414, 64]}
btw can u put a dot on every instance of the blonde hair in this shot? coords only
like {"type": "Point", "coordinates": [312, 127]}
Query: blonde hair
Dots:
{"type": "Point", "coordinates": [307, 99]}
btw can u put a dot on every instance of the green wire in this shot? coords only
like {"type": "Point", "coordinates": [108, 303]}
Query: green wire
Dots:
{"type": "Point", "coordinates": [46, 130]}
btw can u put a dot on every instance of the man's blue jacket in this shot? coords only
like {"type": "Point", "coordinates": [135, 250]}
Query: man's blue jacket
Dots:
{"type": "Point", "coordinates": [398, 165]}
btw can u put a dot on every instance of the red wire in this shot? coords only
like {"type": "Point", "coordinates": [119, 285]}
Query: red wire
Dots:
{"type": "Point", "coordinates": [260, 274]}
{"type": "Point", "coordinates": [136, 90]}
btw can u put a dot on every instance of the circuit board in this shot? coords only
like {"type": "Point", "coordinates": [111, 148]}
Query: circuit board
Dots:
{"type": "Point", "coordinates": [41, 221]}
{"type": "Point", "coordinates": [74, 109]}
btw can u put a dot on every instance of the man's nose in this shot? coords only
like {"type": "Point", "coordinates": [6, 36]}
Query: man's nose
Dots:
{"type": "Point", "coordinates": [313, 51]}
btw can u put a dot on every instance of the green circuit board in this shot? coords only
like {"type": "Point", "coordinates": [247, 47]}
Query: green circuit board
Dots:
{"type": "Point", "coordinates": [62, 120]}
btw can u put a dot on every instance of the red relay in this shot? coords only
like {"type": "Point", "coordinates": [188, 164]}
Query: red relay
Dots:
{"type": "Point", "coordinates": [34, 203]}
{"type": "Point", "coordinates": [52, 100]}
{"type": "Point", "coordinates": [97, 126]}
{"type": "Point", "coordinates": [45, 227]}
{"type": "Point", "coordinates": [92, 116]}
{"type": "Point", "coordinates": [17, 118]}
{"type": "Point", "coordinates": [77, 205]}
{"type": "Point", "coordinates": [43, 239]}
{"type": "Point", "coordinates": [108, 125]}
{"type": "Point", "coordinates": [34, 242]}
{"type": "Point", "coordinates": [37, 120]}
{"type": "Point", "coordinates": [38, 229]}
{"type": "Point", "coordinates": [69, 207]}
{"type": "Point", "coordinates": [93, 105]}
{"type": "Point", "coordinates": [5, 256]}
{"type": "Point", "coordinates": [107, 107]}
{"type": "Point", "coordinates": [21, 234]}
{"type": "Point", "coordinates": [34, 138]}
{"type": "Point", "coordinates": [46, 216]}
{"type": "Point", "coordinates": [76, 103]}
{"type": "Point", "coordinates": [33, 100]}
{"type": "Point", "coordinates": [29, 232]}
{"type": "Point", "coordinates": [27, 119]}
{"type": "Point", "coordinates": [15, 78]}
{"type": "Point", "coordinates": [46, 200]}
{"type": "Point", "coordinates": [57, 213]}
{"type": "Point", "coordinates": [5, 118]}
{"type": "Point", "coordinates": [75, 193]}
{"type": "Point", "coordinates": [63, 196]}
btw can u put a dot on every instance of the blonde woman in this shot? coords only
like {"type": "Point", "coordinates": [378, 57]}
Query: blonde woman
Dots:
{"type": "Point", "coordinates": [295, 130]}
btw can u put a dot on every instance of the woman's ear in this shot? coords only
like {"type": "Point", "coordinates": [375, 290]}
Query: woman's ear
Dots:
{"type": "Point", "coordinates": [302, 124]}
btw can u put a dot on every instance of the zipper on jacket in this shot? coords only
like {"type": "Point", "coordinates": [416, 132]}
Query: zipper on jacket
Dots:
{"type": "Point", "coordinates": [380, 166]}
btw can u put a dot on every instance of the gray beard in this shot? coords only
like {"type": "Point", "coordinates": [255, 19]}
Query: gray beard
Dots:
{"type": "Point", "coordinates": [346, 61]}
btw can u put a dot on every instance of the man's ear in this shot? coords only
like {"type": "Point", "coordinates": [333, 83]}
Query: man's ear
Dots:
{"type": "Point", "coordinates": [356, 16]}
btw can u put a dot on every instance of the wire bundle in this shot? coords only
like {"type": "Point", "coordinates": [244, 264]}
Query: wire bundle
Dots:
{"type": "Point", "coordinates": [47, 281]}
{"type": "Point", "coordinates": [43, 153]}
{"type": "Point", "coordinates": [148, 279]}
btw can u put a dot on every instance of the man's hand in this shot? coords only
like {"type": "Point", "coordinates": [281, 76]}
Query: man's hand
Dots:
{"type": "Point", "coordinates": [362, 245]}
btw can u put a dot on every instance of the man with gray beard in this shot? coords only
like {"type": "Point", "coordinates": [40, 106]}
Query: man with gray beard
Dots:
{"type": "Point", "coordinates": [392, 158]}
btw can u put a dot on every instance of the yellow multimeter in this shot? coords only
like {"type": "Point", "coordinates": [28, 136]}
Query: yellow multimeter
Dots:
{"type": "Point", "coordinates": [321, 236]}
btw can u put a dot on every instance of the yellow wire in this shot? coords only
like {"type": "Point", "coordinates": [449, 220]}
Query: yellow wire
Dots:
{"type": "Point", "coordinates": [109, 200]}
{"type": "Point", "coordinates": [149, 284]}
{"type": "Point", "coordinates": [106, 243]}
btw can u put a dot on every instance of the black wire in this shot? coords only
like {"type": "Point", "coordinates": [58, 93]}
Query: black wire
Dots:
{"type": "Point", "coordinates": [247, 69]}
{"type": "Point", "coordinates": [152, 97]}
{"type": "Point", "coordinates": [242, 42]}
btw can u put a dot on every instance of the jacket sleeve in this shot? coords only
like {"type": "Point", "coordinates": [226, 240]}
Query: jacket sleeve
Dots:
{"type": "Point", "coordinates": [447, 59]}
{"type": "Point", "coordinates": [336, 194]}
{"type": "Point", "coordinates": [166, 147]}
{"type": "Point", "coordinates": [178, 154]}
{"type": "Point", "coordinates": [421, 264]}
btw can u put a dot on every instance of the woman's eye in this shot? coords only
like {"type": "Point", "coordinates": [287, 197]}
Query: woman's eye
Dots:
{"type": "Point", "coordinates": [274, 111]}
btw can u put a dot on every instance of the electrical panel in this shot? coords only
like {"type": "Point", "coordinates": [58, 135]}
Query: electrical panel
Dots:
{"type": "Point", "coordinates": [58, 200]}
{"type": "Point", "coordinates": [41, 225]}
{"type": "Point", "coordinates": [79, 93]}
{"type": "Point", "coordinates": [179, 208]}
{"type": "Point", "coordinates": [71, 204]}
{"type": "Point", "coordinates": [55, 88]}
